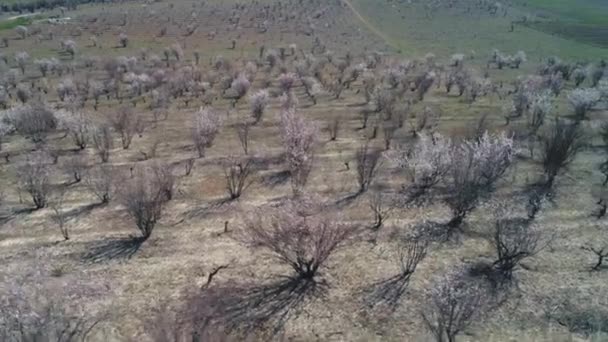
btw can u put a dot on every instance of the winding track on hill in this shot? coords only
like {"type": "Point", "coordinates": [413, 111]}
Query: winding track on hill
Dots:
{"type": "Point", "coordinates": [369, 25]}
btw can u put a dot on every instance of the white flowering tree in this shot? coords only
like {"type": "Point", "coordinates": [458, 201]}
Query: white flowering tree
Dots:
{"type": "Point", "coordinates": [298, 137]}
{"type": "Point", "coordinates": [258, 103]}
{"type": "Point", "coordinates": [427, 163]}
{"type": "Point", "coordinates": [476, 167]}
{"type": "Point", "coordinates": [205, 128]}
{"type": "Point", "coordinates": [21, 58]}
{"type": "Point", "coordinates": [582, 100]}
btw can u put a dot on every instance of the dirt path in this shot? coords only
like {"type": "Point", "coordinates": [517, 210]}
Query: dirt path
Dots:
{"type": "Point", "coordinates": [369, 25]}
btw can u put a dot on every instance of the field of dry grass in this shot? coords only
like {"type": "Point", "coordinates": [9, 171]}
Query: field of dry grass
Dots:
{"type": "Point", "coordinates": [103, 272]}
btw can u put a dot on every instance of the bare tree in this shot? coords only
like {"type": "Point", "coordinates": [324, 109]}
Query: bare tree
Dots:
{"type": "Point", "coordinates": [601, 253]}
{"type": "Point", "coordinates": [559, 146]}
{"type": "Point", "coordinates": [237, 172]}
{"type": "Point", "coordinates": [59, 216]}
{"type": "Point", "coordinates": [298, 137]}
{"type": "Point", "coordinates": [34, 178]}
{"type": "Point", "coordinates": [381, 207]}
{"type": "Point", "coordinates": [296, 238]}
{"type": "Point", "coordinates": [127, 124]}
{"type": "Point", "coordinates": [515, 239]}
{"type": "Point", "coordinates": [75, 167]}
{"type": "Point", "coordinates": [143, 198]}
{"type": "Point", "coordinates": [334, 128]}
{"type": "Point", "coordinates": [368, 162]}
{"type": "Point", "coordinates": [41, 316]}
{"type": "Point", "coordinates": [453, 303]}
{"type": "Point", "coordinates": [163, 179]}
{"type": "Point", "coordinates": [79, 127]}
{"type": "Point", "coordinates": [242, 131]}
{"type": "Point", "coordinates": [388, 128]}
{"type": "Point", "coordinates": [100, 181]}
{"type": "Point", "coordinates": [428, 120]}
{"type": "Point", "coordinates": [123, 39]}
{"type": "Point", "coordinates": [103, 142]}
{"type": "Point", "coordinates": [389, 291]}
{"type": "Point", "coordinates": [206, 127]}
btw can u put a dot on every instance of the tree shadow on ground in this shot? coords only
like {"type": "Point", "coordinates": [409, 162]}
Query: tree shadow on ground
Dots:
{"type": "Point", "coordinates": [85, 209]}
{"type": "Point", "coordinates": [113, 249]}
{"type": "Point", "coordinates": [249, 308]}
{"type": "Point", "coordinates": [276, 178]}
{"type": "Point", "coordinates": [387, 292]}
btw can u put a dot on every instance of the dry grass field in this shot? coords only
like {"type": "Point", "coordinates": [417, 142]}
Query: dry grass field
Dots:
{"type": "Point", "coordinates": [196, 262]}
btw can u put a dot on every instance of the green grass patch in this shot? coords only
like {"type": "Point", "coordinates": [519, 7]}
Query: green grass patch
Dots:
{"type": "Point", "coordinates": [452, 30]}
{"type": "Point", "coordinates": [10, 24]}
{"type": "Point", "coordinates": [584, 12]}
{"type": "Point", "coordinates": [585, 21]}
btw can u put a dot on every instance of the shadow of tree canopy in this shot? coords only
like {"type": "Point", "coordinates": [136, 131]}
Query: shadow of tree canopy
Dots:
{"type": "Point", "coordinates": [276, 178]}
{"type": "Point", "coordinates": [387, 292]}
{"type": "Point", "coordinates": [245, 309]}
{"type": "Point", "coordinates": [112, 249]}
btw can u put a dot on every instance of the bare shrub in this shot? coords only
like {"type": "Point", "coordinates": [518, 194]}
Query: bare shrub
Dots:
{"type": "Point", "coordinates": [333, 128]}
{"type": "Point", "coordinates": [559, 146]}
{"type": "Point", "coordinates": [600, 253]}
{"type": "Point", "coordinates": [381, 208]}
{"type": "Point", "coordinates": [242, 131]}
{"type": "Point", "coordinates": [428, 121]}
{"type": "Point", "coordinates": [59, 216]}
{"type": "Point", "coordinates": [424, 84]}
{"type": "Point", "coordinates": [298, 137]}
{"type": "Point", "coordinates": [123, 40]}
{"type": "Point", "coordinates": [368, 162]}
{"type": "Point", "coordinates": [103, 142]}
{"type": "Point", "coordinates": [206, 127]}
{"type": "Point", "coordinates": [163, 179]}
{"type": "Point", "coordinates": [453, 303]}
{"type": "Point", "coordinates": [515, 239]}
{"type": "Point", "coordinates": [143, 198]}
{"type": "Point", "coordinates": [100, 181]}
{"type": "Point", "coordinates": [388, 129]}
{"type": "Point", "coordinates": [41, 317]}
{"type": "Point", "coordinates": [127, 124]}
{"type": "Point", "coordinates": [237, 172]}
{"type": "Point", "coordinates": [75, 167]}
{"type": "Point", "coordinates": [79, 127]}
{"type": "Point", "coordinates": [34, 178]}
{"type": "Point", "coordinates": [296, 238]}
{"type": "Point", "coordinates": [390, 291]}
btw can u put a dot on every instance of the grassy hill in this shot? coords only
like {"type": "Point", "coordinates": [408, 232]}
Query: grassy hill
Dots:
{"type": "Point", "coordinates": [572, 31]}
